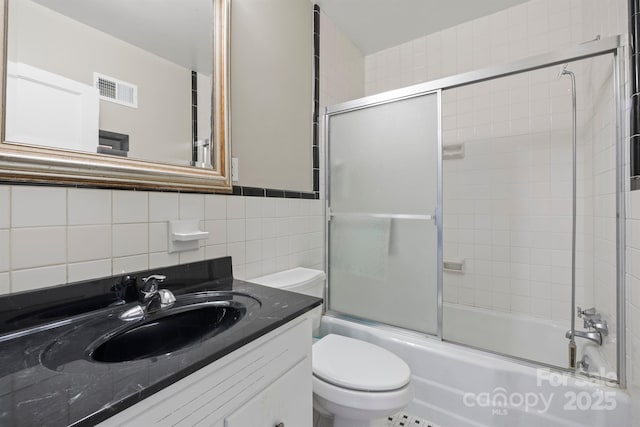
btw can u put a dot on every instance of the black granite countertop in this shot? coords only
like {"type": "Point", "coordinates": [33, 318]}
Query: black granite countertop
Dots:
{"type": "Point", "coordinates": [47, 377]}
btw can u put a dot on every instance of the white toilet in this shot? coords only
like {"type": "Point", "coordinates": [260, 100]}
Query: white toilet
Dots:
{"type": "Point", "coordinates": [356, 383]}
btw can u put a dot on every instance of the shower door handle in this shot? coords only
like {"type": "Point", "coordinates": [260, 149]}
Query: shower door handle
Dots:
{"type": "Point", "coordinates": [415, 217]}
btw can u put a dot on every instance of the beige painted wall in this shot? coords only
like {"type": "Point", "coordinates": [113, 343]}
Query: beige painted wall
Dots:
{"type": "Point", "coordinates": [160, 128]}
{"type": "Point", "coordinates": [271, 92]}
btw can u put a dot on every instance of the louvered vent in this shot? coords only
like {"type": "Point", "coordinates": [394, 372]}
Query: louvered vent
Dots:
{"type": "Point", "coordinates": [115, 90]}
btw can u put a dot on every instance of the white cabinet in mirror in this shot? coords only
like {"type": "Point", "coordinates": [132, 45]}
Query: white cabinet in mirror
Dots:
{"type": "Point", "coordinates": [116, 93]}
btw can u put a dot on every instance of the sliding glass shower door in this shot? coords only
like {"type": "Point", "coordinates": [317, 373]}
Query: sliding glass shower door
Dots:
{"type": "Point", "coordinates": [384, 205]}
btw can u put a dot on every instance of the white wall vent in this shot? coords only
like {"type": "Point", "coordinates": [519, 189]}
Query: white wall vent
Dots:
{"type": "Point", "coordinates": [114, 90]}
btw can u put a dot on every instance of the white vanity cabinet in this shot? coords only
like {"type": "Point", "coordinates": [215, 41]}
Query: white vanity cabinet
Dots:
{"type": "Point", "coordinates": [283, 403]}
{"type": "Point", "coordinates": [266, 383]}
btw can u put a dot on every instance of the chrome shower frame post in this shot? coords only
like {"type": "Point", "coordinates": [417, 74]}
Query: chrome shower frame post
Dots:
{"type": "Point", "coordinates": [439, 223]}
{"type": "Point", "coordinates": [327, 208]}
{"type": "Point", "coordinates": [621, 248]}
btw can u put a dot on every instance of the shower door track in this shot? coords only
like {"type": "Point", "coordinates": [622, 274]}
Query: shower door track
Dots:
{"type": "Point", "coordinates": [609, 45]}
{"type": "Point", "coordinates": [558, 57]}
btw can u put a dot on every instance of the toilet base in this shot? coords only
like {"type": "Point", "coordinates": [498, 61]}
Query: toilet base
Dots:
{"type": "Point", "coordinates": [368, 416]}
{"type": "Point", "coordinates": [321, 420]}
{"type": "Point", "coordinates": [346, 422]}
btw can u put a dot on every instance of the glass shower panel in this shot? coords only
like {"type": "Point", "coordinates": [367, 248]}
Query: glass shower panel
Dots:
{"type": "Point", "coordinates": [507, 212]}
{"type": "Point", "coordinates": [383, 195]}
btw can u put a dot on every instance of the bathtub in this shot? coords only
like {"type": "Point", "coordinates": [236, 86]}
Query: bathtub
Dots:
{"type": "Point", "coordinates": [456, 386]}
{"type": "Point", "coordinates": [520, 336]}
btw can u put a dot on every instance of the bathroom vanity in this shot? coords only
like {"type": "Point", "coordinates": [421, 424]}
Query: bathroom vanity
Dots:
{"type": "Point", "coordinates": [252, 368]}
{"type": "Point", "coordinates": [265, 383]}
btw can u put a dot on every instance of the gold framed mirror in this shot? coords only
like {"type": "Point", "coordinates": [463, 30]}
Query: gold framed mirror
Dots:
{"type": "Point", "coordinates": [72, 139]}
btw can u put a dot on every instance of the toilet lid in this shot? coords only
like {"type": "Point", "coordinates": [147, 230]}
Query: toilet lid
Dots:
{"type": "Point", "coordinates": [358, 365]}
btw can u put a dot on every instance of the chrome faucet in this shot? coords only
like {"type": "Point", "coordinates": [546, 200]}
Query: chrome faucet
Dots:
{"type": "Point", "coordinates": [151, 298]}
{"type": "Point", "coordinates": [593, 336]}
{"type": "Point", "coordinates": [592, 320]}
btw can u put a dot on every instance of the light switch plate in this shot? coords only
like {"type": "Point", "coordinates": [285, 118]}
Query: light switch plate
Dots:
{"type": "Point", "coordinates": [234, 169]}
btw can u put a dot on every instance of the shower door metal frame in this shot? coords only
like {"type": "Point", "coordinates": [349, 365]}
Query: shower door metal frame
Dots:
{"type": "Point", "coordinates": [437, 217]}
{"type": "Point", "coordinates": [610, 45]}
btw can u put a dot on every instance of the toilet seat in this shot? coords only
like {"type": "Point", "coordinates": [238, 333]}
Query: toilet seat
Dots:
{"type": "Point", "coordinates": [358, 365]}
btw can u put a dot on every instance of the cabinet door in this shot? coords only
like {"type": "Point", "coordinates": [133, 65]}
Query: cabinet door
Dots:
{"type": "Point", "coordinates": [286, 402]}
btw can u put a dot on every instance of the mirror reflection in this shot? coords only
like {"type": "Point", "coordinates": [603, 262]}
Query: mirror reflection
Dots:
{"type": "Point", "coordinates": [118, 78]}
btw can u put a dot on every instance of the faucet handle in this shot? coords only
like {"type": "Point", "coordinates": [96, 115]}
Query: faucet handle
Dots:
{"type": "Point", "coordinates": [150, 285]}
{"type": "Point", "coordinates": [126, 288]}
{"type": "Point", "coordinates": [587, 312]}
{"type": "Point", "coordinates": [599, 325]}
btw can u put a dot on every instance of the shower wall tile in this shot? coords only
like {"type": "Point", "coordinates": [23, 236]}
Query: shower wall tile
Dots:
{"type": "Point", "coordinates": [100, 239]}
{"type": "Point", "coordinates": [520, 31]}
{"type": "Point", "coordinates": [507, 203]}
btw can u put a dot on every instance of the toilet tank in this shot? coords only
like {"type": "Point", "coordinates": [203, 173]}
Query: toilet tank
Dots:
{"type": "Point", "coordinates": [302, 280]}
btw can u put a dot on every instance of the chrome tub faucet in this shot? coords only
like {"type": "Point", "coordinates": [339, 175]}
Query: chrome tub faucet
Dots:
{"type": "Point", "coordinates": [592, 321]}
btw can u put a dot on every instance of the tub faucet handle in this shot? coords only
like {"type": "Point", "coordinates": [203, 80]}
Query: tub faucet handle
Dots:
{"type": "Point", "coordinates": [599, 325]}
{"type": "Point", "coordinates": [584, 363]}
{"type": "Point", "coordinates": [587, 312]}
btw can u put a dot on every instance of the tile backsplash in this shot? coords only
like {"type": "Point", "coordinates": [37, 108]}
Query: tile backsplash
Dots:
{"type": "Point", "coordinates": [55, 235]}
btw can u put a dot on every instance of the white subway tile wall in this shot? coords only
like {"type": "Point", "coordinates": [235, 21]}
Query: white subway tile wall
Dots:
{"type": "Point", "coordinates": [38, 206]}
{"type": "Point", "coordinates": [5, 207]}
{"type": "Point", "coordinates": [130, 207]}
{"type": "Point", "coordinates": [507, 204]}
{"type": "Point", "coordinates": [514, 249]}
{"type": "Point", "coordinates": [52, 235]}
{"type": "Point", "coordinates": [88, 207]}
{"type": "Point", "coordinates": [5, 286]}
{"type": "Point", "coordinates": [524, 30]}
{"type": "Point", "coordinates": [4, 251]}
{"type": "Point", "coordinates": [163, 207]}
{"type": "Point", "coordinates": [34, 278]}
